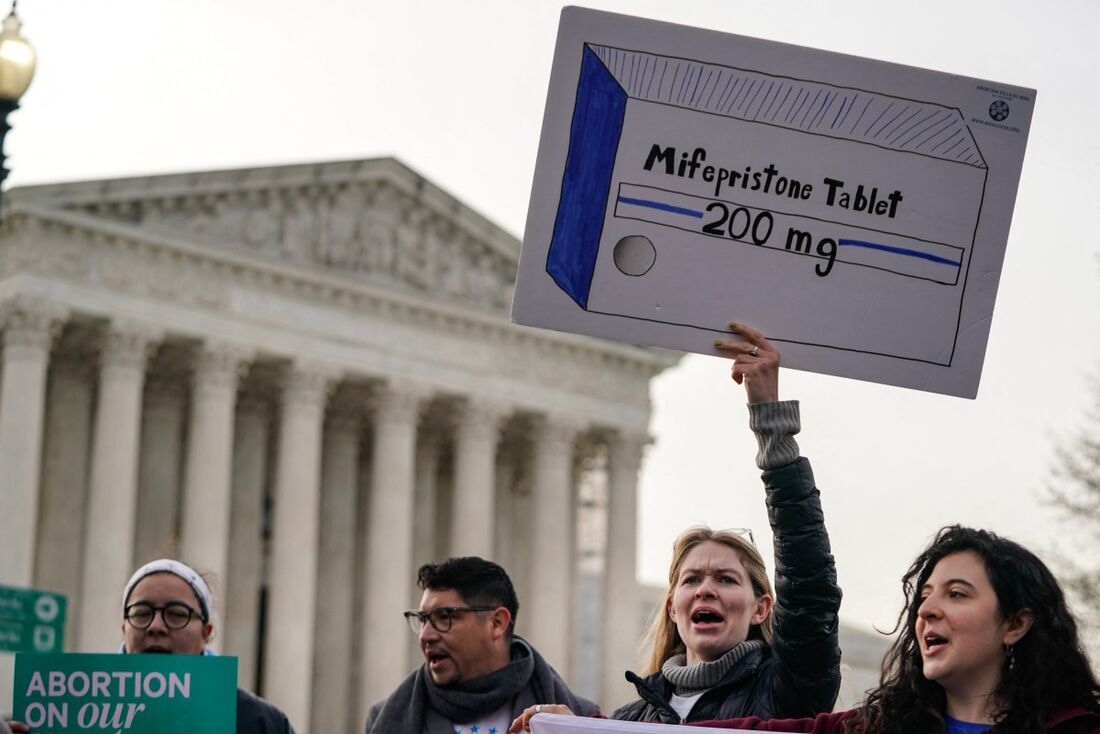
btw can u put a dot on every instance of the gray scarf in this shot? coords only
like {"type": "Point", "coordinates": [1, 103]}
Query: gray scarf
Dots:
{"type": "Point", "coordinates": [420, 705]}
{"type": "Point", "coordinates": [689, 679]}
{"type": "Point", "coordinates": [468, 701]}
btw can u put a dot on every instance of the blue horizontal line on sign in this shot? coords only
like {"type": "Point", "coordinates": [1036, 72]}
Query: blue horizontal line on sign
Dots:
{"type": "Point", "coordinates": [663, 207]}
{"type": "Point", "coordinates": [899, 251]}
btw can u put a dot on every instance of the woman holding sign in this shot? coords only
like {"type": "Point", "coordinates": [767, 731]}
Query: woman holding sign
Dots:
{"type": "Point", "coordinates": [724, 644]}
{"type": "Point", "coordinates": [987, 645]}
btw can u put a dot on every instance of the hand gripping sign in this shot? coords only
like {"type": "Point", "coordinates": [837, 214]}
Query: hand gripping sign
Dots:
{"type": "Point", "coordinates": [855, 211]}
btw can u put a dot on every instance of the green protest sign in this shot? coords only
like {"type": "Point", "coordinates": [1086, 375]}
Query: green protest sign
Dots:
{"type": "Point", "coordinates": [137, 694]}
{"type": "Point", "coordinates": [31, 620]}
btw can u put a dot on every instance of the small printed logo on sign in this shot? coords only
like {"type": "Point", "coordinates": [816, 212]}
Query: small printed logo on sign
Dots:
{"type": "Point", "coordinates": [46, 608]}
{"type": "Point", "coordinates": [998, 104]}
{"type": "Point", "coordinates": [45, 639]}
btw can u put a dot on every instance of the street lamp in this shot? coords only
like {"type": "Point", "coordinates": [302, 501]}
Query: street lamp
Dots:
{"type": "Point", "coordinates": [16, 72]}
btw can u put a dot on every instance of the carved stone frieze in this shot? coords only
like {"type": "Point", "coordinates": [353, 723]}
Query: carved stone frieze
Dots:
{"type": "Point", "coordinates": [368, 229]}
{"type": "Point", "coordinates": [121, 266]}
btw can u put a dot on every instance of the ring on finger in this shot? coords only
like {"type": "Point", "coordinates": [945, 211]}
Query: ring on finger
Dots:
{"type": "Point", "coordinates": [755, 352]}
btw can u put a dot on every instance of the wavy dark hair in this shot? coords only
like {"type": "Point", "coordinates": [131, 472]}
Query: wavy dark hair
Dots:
{"type": "Point", "coordinates": [1051, 671]}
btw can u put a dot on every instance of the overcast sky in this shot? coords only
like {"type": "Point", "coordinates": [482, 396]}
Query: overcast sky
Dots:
{"type": "Point", "coordinates": [456, 90]}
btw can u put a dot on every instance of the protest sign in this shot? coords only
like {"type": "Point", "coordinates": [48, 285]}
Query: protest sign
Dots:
{"type": "Point", "coordinates": [557, 724]}
{"type": "Point", "coordinates": [138, 694]}
{"type": "Point", "coordinates": [31, 620]}
{"type": "Point", "coordinates": [855, 211]}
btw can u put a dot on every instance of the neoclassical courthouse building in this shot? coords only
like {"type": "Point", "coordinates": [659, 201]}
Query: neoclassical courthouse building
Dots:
{"type": "Point", "coordinates": [303, 380]}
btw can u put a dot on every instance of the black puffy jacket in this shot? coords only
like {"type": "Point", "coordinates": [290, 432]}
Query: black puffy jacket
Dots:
{"type": "Point", "coordinates": [799, 675]}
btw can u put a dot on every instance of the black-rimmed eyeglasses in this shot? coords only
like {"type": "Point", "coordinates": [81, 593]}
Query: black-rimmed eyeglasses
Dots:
{"type": "Point", "coordinates": [441, 618]}
{"type": "Point", "coordinates": [176, 615]}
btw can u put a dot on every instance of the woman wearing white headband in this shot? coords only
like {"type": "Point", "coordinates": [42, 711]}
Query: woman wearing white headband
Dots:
{"type": "Point", "coordinates": [166, 609]}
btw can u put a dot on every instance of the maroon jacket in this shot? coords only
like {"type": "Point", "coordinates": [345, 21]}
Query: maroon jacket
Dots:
{"type": "Point", "coordinates": [1074, 721]}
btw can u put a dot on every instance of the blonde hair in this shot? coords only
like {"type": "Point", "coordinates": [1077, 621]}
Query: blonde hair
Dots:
{"type": "Point", "coordinates": [662, 632]}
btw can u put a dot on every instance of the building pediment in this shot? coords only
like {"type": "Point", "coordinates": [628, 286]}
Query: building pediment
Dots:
{"type": "Point", "coordinates": [374, 220]}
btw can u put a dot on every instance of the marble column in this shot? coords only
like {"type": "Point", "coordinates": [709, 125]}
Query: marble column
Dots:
{"type": "Point", "coordinates": [68, 437]}
{"type": "Point", "coordinates": [336, 576]}
{"type": "Point", "coordinates": [158, 494]}
{"type": "Point", "coordinates": [426, 547]}
{"type": "Point", "coordinates": [622, 622]}
{"type": "Point", "coordinates": [112, 489]}
{"type": "Point", "coordinates": [387, 565]}
{"type": "Point", "coordinates": [288, 645]}
{"type": "Point", "coordinates": [519, 556]}
{"type": "Point", "coordinates": [208, 471]}
{"type": "Point", "coordinates": [505, 527]}
{"type": "Point", "coordinates": [245, 573]}
{"type": "Point", "coordinates": [27, 335]}
{"type": "Point", "coordinates": [358, 640]}
{"type": "Point", "coordinates": [550, 600]}
{"type": "Point", "coordinates": [473, 511]}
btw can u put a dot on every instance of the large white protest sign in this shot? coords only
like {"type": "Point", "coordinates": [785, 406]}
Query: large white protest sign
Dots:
{"type": "Point", "coordinates": [854, 211]}
{"type": "Point", "coordinates": [557, 724]}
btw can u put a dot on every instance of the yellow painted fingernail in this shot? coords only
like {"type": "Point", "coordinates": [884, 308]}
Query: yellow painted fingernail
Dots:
{"type": "Point", "coordinates": [733, 326]}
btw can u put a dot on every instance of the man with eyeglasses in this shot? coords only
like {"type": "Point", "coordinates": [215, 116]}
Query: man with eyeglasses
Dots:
{"type": "Point", "coordinates": [477, 674]}
{"type": "Point", "coordinates": [166, 609]}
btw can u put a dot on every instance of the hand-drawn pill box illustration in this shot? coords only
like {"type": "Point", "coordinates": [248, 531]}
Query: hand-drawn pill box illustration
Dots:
{"type": "Point", "coordinates": [678, 191]}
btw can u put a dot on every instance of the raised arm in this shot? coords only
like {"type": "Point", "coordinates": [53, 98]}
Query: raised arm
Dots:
{"type": "Point", "coordinates": [755, 363]}
{"type": "Point", "coordinates": [805, 649]}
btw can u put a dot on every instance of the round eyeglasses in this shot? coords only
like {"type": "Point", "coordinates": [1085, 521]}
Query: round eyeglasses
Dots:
{"type": "Point", "coordinates": [441, 618]}
{"type": "Point", "coordinates": [176, 615]}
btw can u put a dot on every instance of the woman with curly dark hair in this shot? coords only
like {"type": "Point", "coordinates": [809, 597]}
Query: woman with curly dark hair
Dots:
{"type": "Point", "coordinates": [988, 645]}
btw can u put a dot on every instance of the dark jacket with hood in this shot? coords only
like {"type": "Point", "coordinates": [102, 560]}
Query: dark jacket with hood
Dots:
{"type": "Point", "coordinates": [799, 675]}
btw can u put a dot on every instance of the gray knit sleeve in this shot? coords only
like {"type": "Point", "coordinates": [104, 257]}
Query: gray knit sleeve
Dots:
{"type": "Point", "coordinates": [775, 425]}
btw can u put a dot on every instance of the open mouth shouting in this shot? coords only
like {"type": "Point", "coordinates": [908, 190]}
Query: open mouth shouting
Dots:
{"type": "Point", "coordinates": [436, 658]}
{"type": "Point", "coordinates": [933, 643]}
{"type": "Point", "coordinates": [704, 618]}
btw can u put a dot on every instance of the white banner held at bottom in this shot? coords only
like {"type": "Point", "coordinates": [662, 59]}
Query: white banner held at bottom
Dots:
{"type": "Point", "coordinates": [558, 724]}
